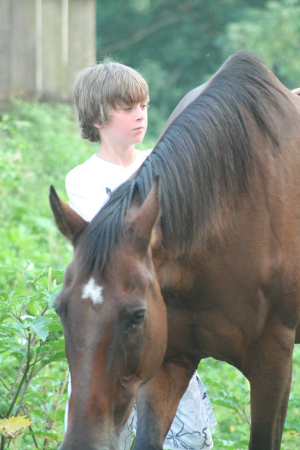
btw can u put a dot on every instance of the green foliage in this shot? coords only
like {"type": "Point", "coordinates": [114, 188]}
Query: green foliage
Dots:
{"type": "Point", "coordinates": [179, 45]}
{"type": "Point", "coordinates": [38, 146]}
{"type": "Point", "coordinates": [32, 358]}
{"type": "Point", "coordinates": [174, 44]}
{"type": "Point", "coordinates": [273, 34]}
{"type": "Point", "coordinates": [229, 393]}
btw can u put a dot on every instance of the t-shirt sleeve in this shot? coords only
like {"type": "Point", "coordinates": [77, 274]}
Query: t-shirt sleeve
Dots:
{"type": "Point", "coordinates": [85, 198]}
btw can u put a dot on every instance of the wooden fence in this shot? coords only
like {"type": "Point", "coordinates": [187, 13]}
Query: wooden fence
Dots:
{"type": "Point", "coordinates": [43, 45]}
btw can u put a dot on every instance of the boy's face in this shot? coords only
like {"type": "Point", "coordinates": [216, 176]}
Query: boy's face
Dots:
{"type": "Point", "coordinates": [126, 125]}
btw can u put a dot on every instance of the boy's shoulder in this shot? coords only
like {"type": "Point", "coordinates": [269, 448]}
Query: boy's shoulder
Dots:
{"type": "Point", "coordinates": [143, 154]}
{"type": "Point", "coordinates": [84, 168]}
{"type": "Point", "coordinates": [96, 169]}
{"type": "Point", "coordinates": [88, 170]}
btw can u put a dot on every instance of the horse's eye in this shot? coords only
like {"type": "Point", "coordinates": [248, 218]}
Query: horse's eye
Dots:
{"type": "Point", "coordinates": [137, 319]}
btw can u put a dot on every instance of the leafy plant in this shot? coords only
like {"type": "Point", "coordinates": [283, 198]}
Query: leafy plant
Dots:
{"type": "Point", "coordinates": [271, 33]}
{"type": "Point", "coordinates": [31, 341]}
{"type": "Point", "coordinates": [229, 393]}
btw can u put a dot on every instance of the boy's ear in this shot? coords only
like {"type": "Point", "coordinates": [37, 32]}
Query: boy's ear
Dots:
{"type": "Point", "coordinates": [98, 125]}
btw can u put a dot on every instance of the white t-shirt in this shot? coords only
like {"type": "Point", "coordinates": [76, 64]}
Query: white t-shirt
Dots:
{"type": "Point", "coordinates": [89, 184]}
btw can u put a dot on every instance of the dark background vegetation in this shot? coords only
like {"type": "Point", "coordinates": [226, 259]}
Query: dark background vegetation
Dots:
{"type": "Point", "coordinates": [177, 45]}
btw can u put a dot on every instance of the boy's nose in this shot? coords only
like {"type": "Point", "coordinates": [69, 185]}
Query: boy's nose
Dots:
{"type": "Point", "coordinates": [140, 114]}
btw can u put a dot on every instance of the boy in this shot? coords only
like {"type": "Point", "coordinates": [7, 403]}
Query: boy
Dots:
{"type": "Point", "coordinates": [112, 101]}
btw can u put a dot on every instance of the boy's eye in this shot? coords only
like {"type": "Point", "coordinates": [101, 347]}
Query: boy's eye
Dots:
{"type": "Point", "coordinates": [142, 106]}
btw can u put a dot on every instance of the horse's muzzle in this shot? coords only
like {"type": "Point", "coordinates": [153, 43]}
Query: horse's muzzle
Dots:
{"type": "Point", "coordinates": [86, 447]}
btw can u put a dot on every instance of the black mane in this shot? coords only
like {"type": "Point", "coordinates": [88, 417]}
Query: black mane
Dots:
{"type": "Point", "coordinates": [204, 158]}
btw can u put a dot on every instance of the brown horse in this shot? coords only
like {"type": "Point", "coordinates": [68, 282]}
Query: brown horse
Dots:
{"type": "Point", "coordinates": [197, 256]}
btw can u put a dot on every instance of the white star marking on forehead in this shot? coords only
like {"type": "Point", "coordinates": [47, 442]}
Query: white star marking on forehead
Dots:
{"type": "Point", "coordinates": [92, 291]}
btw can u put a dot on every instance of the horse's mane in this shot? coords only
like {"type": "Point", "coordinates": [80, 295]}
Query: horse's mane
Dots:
{"type": "Point", "coordinates": [203, 160]}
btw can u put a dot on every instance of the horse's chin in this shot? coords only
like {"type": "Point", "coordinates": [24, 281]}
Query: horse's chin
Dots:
{"type": "Point", "coordinates": [83, 441]}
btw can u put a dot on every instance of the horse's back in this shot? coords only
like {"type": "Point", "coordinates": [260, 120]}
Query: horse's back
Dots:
{"type": "Point", "coordinates": [249, 269]}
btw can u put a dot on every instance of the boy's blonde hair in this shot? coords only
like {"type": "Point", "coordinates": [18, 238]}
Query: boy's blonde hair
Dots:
{"type": "Point", "coordinates": [104, 86]}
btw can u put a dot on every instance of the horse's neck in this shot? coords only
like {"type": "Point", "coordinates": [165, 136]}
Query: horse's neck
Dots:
{"type": "Point", "coordinates": [172, 274]}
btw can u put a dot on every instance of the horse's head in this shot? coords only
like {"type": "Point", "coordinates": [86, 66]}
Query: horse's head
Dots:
{"type": "Point", "coordinates": [114, 326]}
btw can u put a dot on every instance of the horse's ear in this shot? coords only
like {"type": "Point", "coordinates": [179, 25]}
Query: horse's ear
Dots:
{"type": "Point", "coordinates": [144, 219]}
{"type": "Point", "coordinates": [69, 223]}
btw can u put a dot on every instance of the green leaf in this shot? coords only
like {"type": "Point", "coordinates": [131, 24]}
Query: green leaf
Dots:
{"type": "Point", "coordinates": [6, 316]}
{"type": "Point", "coordinates": [227, 403]}
{"type": "Point", "coordinates": [14, 426]}
{"type": "Point", "coordinates": [51, 296]}
{"type": "Point", "coordinates": [4, 296]}
{"type": "Point", "coordinates": [45, 434]}
{"type": "Point", "coordinates": [9, 271]}
{"type": "Point", "coordinates": [55, 327]}
{"type": "Point", "coordinates": [222, 443]}
{"type": "Point", "coordinates": [39, 327]}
